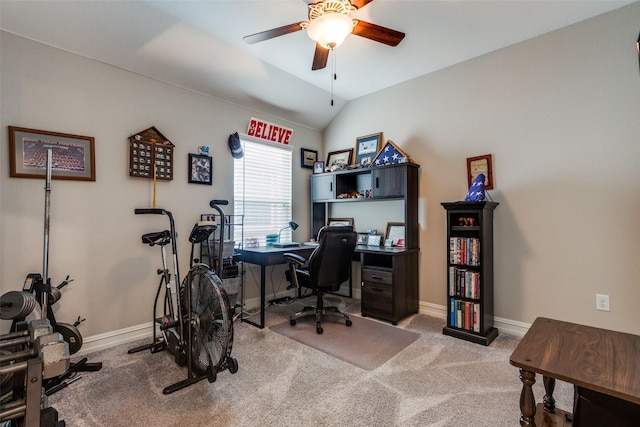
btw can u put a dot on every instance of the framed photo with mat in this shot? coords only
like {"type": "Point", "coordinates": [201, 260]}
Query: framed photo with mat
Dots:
{"type": "Point", "coordinates": [200, 169]}
{"type": "Point", "coordinates": [73, 155]}
{"type": "Point", "coordinates": [308, 158]}
{"type": "Point", "coordinates": [367, 148]}
{"type": "Point", "coordinates": [340, 221]}
{"type": "Point", "coordinates": [395, 233]}
{"type": "Point", "coordinates": [318, 167]}
{"type": "Point", "coordinates": [477, 165]}
{"type": "Point", "coordinates": [339, 159]}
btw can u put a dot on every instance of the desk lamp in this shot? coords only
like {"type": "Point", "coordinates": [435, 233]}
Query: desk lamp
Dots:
{"type": "Point", "coordinates": [292, 225]}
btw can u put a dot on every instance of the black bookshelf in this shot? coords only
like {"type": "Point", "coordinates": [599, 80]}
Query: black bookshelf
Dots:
{"type": "Point", "coordinates": [470, 271]}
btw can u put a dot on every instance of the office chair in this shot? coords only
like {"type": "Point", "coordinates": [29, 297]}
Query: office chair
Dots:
{"type": "Point", "coordinates": [328, 266]}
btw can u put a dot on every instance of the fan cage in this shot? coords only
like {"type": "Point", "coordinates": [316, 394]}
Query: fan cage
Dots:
{"type": "Point", "coordinates": [210, 319]}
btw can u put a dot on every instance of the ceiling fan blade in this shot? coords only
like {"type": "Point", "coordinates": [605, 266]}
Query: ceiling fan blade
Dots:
{"type": "Point", "coordinates": [377, 33]}
{"type": "Point", "coordinates": [360, 3]}
{"type": "Point", "coordinates": [274, 32]}
{"type": "Point", "coordinates": [320, 58]}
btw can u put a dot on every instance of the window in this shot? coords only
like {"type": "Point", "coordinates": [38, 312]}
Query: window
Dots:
{"type": "Point", "coordinates": [262, 190]}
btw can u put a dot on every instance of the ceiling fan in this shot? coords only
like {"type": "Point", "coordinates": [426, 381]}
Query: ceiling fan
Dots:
{"type": "Point", "coordinates": [329, 23]}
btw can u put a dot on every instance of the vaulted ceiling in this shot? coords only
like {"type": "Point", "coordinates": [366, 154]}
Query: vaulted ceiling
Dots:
{"type": "Point", "coordinates": [198, 44]}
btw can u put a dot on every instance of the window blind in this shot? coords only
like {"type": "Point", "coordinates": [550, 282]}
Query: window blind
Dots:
{"type": "Point", "coordinates": [262, 190]}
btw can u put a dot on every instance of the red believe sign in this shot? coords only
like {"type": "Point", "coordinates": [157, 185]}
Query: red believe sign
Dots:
{"type": "Point", "coordinates": [268, 131]}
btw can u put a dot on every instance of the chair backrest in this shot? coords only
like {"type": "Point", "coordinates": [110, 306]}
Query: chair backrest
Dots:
{"type": "Point", "coordinates": [330, 263]}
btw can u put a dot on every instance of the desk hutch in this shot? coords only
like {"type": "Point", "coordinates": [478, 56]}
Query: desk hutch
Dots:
{"type": "Point", "coordinates": [389, 275]}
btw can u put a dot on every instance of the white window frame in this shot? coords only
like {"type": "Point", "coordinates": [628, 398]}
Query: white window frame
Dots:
{"type": "Point", "coordinates": [262, 184]}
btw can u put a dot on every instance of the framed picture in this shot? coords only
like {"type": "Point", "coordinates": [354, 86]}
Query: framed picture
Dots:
{"type": "Point", "coordinates": [73, 156]}
{"type": "Point", "coordinates": [395, 233]}
{"type": "Point", "coordinates": [340, 221]}
{"type": "Point", "coordinates": [363, 238]}
{"type": "Point", "coordinates": [367, 148]}
{"type": "Point", "coordinates": [318, 167]}
{"type": "Point", "coordinates": [308, 158]}
{"type": "Point", "coordinates": [339, 159]}
{"type": "Point", "coordinates": [200, 169]}
{"type": "Point", "coordinates": [477, 165]}
{"type": "Point", "coordinates": [373, 240]}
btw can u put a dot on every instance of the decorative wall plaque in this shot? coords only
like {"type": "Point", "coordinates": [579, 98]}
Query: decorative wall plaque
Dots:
{"type": "Point", "coordinates": [149, 150]}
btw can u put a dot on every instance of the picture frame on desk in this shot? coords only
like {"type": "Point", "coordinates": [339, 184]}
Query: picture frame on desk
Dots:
{"type": "Point", "coordinates": [477, 165]}
{"type": "Point", "coordinates": [73, 156]}
{"type": "Point", "coordinates": [318, 167]}
{"type": "Point", "coordinates": [373, 240]}
{"type": "Point", "coordinates": [341, 159]}
{"type": "Point", "coordinates": [395, 233]}
{"type": "Point", "coordinates": [363, 238]}
{"type": "Point", "coordinates": [367, 148]}
{"type": "Point", "coordinates": [339, 221]}
{"type": "Point", "coordinates": [308, 158]}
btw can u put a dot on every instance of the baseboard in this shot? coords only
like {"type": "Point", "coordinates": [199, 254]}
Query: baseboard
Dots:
{"type": "Point", "coordinates": [122, 336]}
{"type": "Point", "coordinates": [433, 310]}
{"type": "Point", "coordinates": [511, 327]}
{"type": "Point", "coordinates": [114, 338]}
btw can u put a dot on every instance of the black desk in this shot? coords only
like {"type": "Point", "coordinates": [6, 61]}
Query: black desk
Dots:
{"type": "Point", "coordinates": [368, 255]}
{"type": "Point", "coordinates": [264, 256]}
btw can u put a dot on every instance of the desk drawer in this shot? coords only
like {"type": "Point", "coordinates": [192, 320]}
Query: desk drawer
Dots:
{"type": "Point", "coordinates": [377, 300]}
{"type": "Point", "coordinates": [377, 275]}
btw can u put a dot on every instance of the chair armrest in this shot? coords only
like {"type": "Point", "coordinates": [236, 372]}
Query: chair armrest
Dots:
{"type": "Point", "coordinates": [294, 258]}
{"type": "Point", "coordinates": [294, 261]}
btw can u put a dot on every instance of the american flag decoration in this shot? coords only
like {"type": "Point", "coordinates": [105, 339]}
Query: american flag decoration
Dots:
{"type": "Point", "coordinates": [476, 191]}
{"type": "Point", "coordinates": [390, 155]}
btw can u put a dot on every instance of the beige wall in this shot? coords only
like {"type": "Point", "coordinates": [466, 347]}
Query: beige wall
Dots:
{"type": "Point", "coordinates": [95, 236]}
{"type": "Point", "coordinates": [561, 115]}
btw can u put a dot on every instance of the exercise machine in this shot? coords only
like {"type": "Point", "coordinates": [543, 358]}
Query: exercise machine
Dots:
{"type": "Point", "coordinates": [37, 291]}
{"type": "Point", "coordinates": [198, 329]}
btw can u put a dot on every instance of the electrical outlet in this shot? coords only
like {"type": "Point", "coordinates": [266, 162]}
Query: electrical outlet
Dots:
{"type": "Point", "coordinates": [602, 302]}
{"type": "Point", "coordinates": [172, 286]}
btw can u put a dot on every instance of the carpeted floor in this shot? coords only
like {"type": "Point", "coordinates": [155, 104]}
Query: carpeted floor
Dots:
{"type": "Point", "coordinates": [435, 381]}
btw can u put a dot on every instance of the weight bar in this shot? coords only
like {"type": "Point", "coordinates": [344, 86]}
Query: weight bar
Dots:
{"type": "Point", "coordinates": [36, 328]}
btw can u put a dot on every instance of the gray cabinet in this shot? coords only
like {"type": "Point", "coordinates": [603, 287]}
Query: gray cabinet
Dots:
{"type": "Point", "coordinates": [388, 182]}
{"type": "Point", "coordinates": [322, 187]}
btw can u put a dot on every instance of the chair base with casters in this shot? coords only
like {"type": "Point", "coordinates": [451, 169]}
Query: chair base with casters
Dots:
{"type": "Point", "coordinates": [327, 267]}
{"type": "Point", "coordinates": [319, 311]}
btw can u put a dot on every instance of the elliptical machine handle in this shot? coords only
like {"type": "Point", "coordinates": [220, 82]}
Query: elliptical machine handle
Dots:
{"type": "Point", "coordinates": [149, 211]}
{"type": "Point", "coordinates": [213, 203]}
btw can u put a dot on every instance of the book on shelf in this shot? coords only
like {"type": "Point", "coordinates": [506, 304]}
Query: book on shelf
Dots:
{"type": "Point", "coordinates": [464, 250]}
{"type": "Point", "coordinates": [464, 282]}
{"type": "Point", "coordinates": [464, 315]}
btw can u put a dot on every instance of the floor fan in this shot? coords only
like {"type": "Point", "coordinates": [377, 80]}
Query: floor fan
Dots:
{"type": "Point", "coordinates": [212, 324]}
{"type": "Point", "coordinates": [206, 318]}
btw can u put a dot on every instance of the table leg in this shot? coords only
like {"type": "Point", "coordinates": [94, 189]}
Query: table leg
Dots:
{"type": "Point", "coordinates": [263, 294]}
{"type": "Point", "coordinates": [549, 401]}
{"type": "Point", "coordinates": [527, 400]}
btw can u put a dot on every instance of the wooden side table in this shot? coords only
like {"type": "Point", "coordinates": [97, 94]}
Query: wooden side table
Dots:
{"type": "Point", "coordinates": [603, 361]}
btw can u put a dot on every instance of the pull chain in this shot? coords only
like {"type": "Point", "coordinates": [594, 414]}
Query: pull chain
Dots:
{"type": "Point", "coordinates": [333, 71]}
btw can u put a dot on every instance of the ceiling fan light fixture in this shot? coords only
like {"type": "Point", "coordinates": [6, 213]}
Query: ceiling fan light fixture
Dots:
{"type": "Point", "coordinates": [330, 29]}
